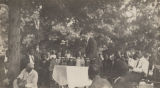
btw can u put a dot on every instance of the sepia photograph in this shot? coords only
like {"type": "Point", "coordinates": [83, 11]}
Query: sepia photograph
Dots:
{"type": "Point", "coordinates": [79, 43]}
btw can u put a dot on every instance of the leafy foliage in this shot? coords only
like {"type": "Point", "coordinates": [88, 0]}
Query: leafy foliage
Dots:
{"type": "Point", "coordinates": [121, 24]}
{"type": "Point", "coordinates": [3, 27]}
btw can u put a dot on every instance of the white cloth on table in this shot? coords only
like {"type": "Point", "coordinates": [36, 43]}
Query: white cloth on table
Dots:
{"type": "Point", "coordinates": [59, 74]}
{"type": "Point", "coordinates": [73, 76]}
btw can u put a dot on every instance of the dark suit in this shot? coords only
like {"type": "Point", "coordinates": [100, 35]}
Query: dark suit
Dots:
{"type": "Point", "coordinates": [107, 66]}
{"type": "Point", "coordinates": [121, 67]}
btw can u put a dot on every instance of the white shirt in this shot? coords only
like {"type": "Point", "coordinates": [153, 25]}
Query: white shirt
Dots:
{"type": "Point", "coordinates": [31, 78]}
{"type": "Point", "coordinates": [6, 59]}
{"type": "Point", "coordinates": [132, 62]}
{"type": "Point", "coordinates": [31, 59]}
{"type": "Point", "coordinates": [142, 66]}
{"type": "Point", "coordinates": [53, 56]}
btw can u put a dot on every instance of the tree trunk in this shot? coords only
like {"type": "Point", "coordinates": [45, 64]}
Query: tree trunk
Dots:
{"type": "Point", "coordinates": [14, 39]}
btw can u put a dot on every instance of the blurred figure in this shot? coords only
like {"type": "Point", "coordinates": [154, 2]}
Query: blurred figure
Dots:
{"type": "Point", "coordinates": [3, 74]}
{"type": "Point", "coordinates": [28, 78]}
{"type": "Point", "coordinates": [151, 67]}
{"type": "Point", "coordinates": [31, 56]}
{"type": "Point", "coordinates": [122, 82]}
{"type": "Point", "coordinates": [142, 65]}
{"type": "Point", "coordinates": [53, 62]}
{"type": "Point", "coordinates": [156, 75]}
{"type": "Point", "coordinates": [66, 58]}
{"type": "Point", "coordinates": [111, 68]}
{"type": "Point", "coordinates": [97, 81]}
{"type": "Point", "coordinates": [52, 55]}
{"type": "Point", "coordinates": [59, 57]}
{"type": "Point", "coordinates": [106, 65]}
{"type": "Point", "coordinates": [125, 57]}
{"type": "Point", "coordinates": [24, 60]}
{"type": "Point", "coordinates": [80, 60]}
{"type": "Point", "coordinates": [87, 61]}
{"type": "Point", "coordinates": [140, 70]}
{"type": "Point", "coordinates": [120, 67]}
{"type": "Point", "coordinates": [101, 56]}
{"type": "Point", "coordinates": [44, 71]}
{"type": "Point", "coordinates": [100, 60]}
{"type": "Point", "coordinates": [67, 54]}
{"type": "Point", "coordinates": [132, 62]}
{"type": "Point", "coordinates": [71, 61]}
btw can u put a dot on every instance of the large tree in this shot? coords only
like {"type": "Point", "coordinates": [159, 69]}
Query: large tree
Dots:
{"type": "Point", "coordinates": [14, 36]}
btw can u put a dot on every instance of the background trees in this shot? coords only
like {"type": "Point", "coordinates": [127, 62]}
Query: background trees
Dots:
{"type": "Point", "coordinates": [121, 24]}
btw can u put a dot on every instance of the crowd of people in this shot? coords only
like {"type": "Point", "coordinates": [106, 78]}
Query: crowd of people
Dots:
{"type": "Point", "coordinates": [112, 69]}
{"type": "Point", "coordinates": [124, 70]}
{"type": "Point", "coordinates": [44, 64]}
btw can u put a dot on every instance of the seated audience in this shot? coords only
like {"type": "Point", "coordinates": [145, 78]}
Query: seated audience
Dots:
{"type": "Point", "coordinates": [120, 67]}
{"type": "Point", "coordinates": [140, 71]}
{"type": "Point", "coordinates": [142, 65]}
{"type": "Point", "coordinates": [28, 78]}
{"type": "Point", "coordinates": [121, 70]}
{"type": "Point", "coordinates": [132, 62]}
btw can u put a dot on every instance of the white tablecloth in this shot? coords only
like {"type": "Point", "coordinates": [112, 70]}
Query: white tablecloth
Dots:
{"type": "Point", "coordinates": [73, 76]}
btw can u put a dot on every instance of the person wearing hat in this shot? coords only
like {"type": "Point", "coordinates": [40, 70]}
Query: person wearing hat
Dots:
{"type": "Point", "coordinates": [28, 78]}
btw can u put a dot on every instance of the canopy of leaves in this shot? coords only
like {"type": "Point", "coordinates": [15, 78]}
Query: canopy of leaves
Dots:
{"type": "Point", "coordinates": [3, 27]}
{"type": "Point", "coordinates": [121, 24]}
